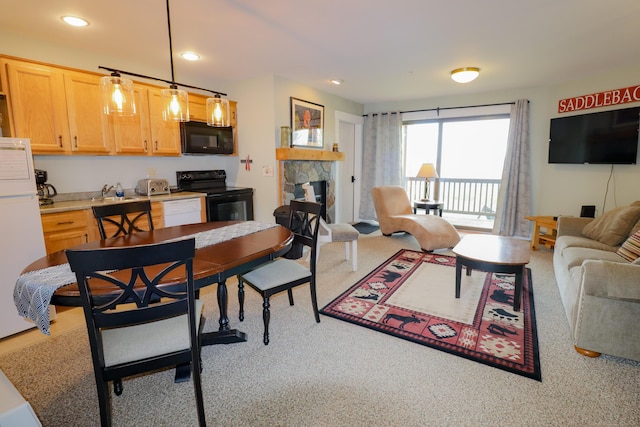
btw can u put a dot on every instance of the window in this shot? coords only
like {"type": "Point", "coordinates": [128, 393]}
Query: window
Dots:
{"type": "Point", "coordinates": [468, 153]}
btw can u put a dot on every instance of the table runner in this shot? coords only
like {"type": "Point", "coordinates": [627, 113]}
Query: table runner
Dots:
{"type": "Point", "coordinates": [33, 291]}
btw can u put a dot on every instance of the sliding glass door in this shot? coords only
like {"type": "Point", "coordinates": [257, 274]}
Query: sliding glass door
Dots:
{"type": "Point", "coordinates": [468, 154]}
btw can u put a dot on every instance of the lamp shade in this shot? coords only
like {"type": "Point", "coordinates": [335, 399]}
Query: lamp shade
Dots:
{"type": "Point", "coordinates": [217, 112]}
{"type": "Point", "coordinates": [465, 75]}
{"type": "Point", "coordinates": [175, 105]}
{"type": "Point", "coordinates": [118, 98]}
{"type": "Point", "coordinates": [427, 170]}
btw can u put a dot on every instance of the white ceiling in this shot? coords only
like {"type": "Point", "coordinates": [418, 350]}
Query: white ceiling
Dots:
{"type": "Point", "coordinates": [383, 50]}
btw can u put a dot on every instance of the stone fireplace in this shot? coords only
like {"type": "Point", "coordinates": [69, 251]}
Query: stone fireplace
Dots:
{"type": "Point", "coordinates": [297, 172]}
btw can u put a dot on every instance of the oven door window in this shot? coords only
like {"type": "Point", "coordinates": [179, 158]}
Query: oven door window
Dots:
{"type": "Point", "coordinates": [230, 208]}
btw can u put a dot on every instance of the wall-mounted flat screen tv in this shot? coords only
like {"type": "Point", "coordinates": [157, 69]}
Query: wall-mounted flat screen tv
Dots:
{"type": "Point", "coordinates": [608, 137]}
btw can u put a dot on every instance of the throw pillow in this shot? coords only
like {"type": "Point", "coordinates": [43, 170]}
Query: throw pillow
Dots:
{"type": "Point", "coordinates": [630, 249]}
{"type": "Point", "coordinates": [612, 227]}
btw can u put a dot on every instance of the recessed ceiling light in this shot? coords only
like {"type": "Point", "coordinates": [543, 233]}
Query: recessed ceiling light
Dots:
{"type": "Point", "coordinates": [465, 75]}
{"type": "Point", "coordinates": [190, 56]}
{"type": "Point", "coordinates": [336, 82]}
{"type": "Point", "coordinates": [75, 21]}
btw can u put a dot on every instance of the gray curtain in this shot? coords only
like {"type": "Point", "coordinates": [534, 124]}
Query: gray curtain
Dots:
{"type": "Point", "coordinates": [381, 157]}
{"type": "Point", "coordinates": [514, 196]}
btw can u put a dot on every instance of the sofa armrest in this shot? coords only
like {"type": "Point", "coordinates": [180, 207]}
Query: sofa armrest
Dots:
{"type": "Point", "coordinates": [615, 280]}
{"type": "Point", "coordinates": [571, 225]}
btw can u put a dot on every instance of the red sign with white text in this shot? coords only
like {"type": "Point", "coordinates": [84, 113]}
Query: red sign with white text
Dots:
{"type": "Point", "coordinates": [600, 99]}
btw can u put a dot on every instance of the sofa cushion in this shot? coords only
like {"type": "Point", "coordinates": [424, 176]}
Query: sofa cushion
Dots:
{"type": "Point", "coordinates": [613, 227]}
{"type": "Point", "coordinates": [564, 242]}
{"type": "Point", "coordinates": [573, 257]}
{"type": "Point", "coordinates": [630, 249]}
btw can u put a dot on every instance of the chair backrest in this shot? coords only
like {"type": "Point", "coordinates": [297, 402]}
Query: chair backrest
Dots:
{"type": "Point", "coordinates": [126, 218]}
{"type": "Point", "coordinates": [390, 200]}
{"type": "Point", "coordinates": [105, 277]}
{"type": "Point", "coordinates": [304, 221]}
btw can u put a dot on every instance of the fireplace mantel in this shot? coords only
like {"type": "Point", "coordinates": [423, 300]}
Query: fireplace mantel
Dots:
{"type": "Point", "coordinates": [307, 154]}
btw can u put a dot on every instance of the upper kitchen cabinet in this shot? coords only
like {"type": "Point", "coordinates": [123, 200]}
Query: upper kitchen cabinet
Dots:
{"type": "Point", "coordinates": [84, 108]}
{"type": "Point", "coordinates": [58, 110]}
{"type": "Point", "coordinates": [37, 101]}
{"type": "Point", "coordinates": [165, 136]}
{"type": "Point", "coordinates": [131, 135]}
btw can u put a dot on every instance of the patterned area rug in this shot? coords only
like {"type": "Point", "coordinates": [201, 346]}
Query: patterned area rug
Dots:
{"type": "Point", "coordinates": [412, 296]}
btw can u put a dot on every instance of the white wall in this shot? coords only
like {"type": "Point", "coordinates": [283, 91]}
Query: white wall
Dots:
{"type": "Point", "coordinates": [556, 189]}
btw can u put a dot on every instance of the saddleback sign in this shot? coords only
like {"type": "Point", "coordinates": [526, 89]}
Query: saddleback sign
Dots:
{"type": "Point", "coordinates": [600, 99]}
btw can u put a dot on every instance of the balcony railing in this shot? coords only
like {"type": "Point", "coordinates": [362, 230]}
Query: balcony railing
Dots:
{"type": "Point", "coordinates": [472, 198]}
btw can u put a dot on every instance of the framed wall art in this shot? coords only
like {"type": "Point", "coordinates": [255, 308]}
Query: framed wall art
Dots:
{"type": "Point", "coordinates": [307, 124]}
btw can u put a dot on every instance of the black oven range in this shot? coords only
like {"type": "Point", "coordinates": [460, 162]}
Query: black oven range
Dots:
{"type": "Point", "coordinates": [223, 203]}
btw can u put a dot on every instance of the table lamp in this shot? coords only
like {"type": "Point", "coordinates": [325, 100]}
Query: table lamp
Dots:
{"type": "Point", "coordinates": [427, 171]}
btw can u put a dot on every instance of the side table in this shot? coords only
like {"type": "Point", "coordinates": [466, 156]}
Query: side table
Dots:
{"type": "Point", "coordinates": [428, 205]}
{"type": "Point", "coordinates": [548, 239]}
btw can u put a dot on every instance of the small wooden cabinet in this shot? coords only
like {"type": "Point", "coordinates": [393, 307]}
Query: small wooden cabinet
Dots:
{"type": "Point", "coordinates": [165, 136]}
{"type": "Point", "coordinates": [63, 230]}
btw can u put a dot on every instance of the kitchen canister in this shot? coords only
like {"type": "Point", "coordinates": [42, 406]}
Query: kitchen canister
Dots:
{"type": "Point", "coordinates": [285, 136]}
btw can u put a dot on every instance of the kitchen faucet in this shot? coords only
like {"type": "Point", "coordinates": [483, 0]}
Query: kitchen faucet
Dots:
{"type": "Point", "coordinates": [105, 190]}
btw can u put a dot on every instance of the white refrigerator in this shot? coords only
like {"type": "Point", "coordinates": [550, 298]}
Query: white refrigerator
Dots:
{"type": "Point", "coordinates": [21, 235]}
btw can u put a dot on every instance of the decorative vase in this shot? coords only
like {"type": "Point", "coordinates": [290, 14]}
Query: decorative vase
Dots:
{"type": "Point", "coordinates": [285, 136]}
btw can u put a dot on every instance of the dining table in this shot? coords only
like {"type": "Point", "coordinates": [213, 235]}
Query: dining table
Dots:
{"type": "Point", "coordinates": [226, 253]}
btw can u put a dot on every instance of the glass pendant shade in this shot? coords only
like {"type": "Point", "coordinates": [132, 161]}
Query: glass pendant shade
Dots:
{"type": "Point", "coordinates": [175, 105]}
{"type": "Point", "coordinates": [118, 98]}
{"type": "Point", "coordinates": [218, 112]}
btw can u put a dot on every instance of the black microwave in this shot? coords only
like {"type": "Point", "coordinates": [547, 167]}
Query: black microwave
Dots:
{"type": "Point", "coordinates": [199, 138]}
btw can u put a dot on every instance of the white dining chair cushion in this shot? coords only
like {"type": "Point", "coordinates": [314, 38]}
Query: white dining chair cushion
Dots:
{"type": "Point", "coordinates": [122, 345]}
{"type": "Point", "coordinates": [276, 273]}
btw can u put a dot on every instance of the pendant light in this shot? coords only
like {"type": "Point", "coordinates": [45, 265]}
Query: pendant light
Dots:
{"type": "Point", "coordinates": [218, 111]}
{"type": "Point", "coordinates": [175, 102]}
{"type": "Point", "coordinates": [118, 98]}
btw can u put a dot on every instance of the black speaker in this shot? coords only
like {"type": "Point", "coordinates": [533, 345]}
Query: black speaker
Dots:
{"type": "Point", "coordinates": [588, 211]}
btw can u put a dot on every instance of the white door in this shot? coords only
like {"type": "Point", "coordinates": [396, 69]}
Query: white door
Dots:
{"type": "Point", "coordinates": [349, 139]}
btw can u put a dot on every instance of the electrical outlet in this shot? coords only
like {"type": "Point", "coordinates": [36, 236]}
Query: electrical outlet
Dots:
{"type": "Point", "coordinates": [151, 172]}
{"type": "Point", "coordinates": [267, 171]}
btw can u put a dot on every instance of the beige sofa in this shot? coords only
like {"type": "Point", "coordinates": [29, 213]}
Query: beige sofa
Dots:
{"type": "Point", "coordinates": [599, 288]}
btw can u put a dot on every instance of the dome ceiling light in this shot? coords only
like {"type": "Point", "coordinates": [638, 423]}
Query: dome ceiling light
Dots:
{"type": "Point", "coordinates": [465, 75]}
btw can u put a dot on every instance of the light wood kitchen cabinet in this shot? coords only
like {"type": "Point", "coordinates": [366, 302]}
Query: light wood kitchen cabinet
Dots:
{"type": "Point", "coordinates": [198, 107]}
{"type": "Point", "coordinates": [37, 101]}
{"type": "Point", "coordinates": [84, 109]}
{"type": "Point", "coordinates": [131, 135]}
{"type": "Point", "coordinates": [63, 230]}
{"type": "Point", "coordinates": [165, 136]}
{"type": "Point", "coordinates": [59, 110]}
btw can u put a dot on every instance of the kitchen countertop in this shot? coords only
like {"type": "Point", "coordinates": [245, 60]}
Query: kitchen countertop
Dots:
{"type": "Point", "coordinates": [73, 205]}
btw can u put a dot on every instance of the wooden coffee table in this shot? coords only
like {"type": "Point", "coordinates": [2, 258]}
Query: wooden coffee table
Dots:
{"type": "Point", "coordinates": [496, 254]}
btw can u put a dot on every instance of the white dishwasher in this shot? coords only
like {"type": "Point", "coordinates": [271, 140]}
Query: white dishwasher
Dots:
{"type": "Point", "coordinates": [182, 211]}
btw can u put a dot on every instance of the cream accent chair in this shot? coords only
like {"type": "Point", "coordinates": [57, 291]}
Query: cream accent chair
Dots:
{"type": "Point", "coordinates": [394, 214]}
{"type": "Point", "coordinates": [335, 232]}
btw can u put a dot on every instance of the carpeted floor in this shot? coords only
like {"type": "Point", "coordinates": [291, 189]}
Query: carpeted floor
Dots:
{"type": "Point", "coordinates": [334, 374]}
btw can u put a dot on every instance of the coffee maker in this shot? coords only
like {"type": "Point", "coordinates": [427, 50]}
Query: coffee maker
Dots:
{"type": "Point", "coordinates": [45, 191]}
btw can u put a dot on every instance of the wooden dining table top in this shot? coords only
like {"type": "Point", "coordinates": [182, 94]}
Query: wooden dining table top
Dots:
{"type": "Point", "coordinates": [212, 264]}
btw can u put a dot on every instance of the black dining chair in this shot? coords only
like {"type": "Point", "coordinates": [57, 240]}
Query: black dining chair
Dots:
{"type": "Point", "coordinates": [285, 274]}
{"type": "Point", "coordinates": [125, 217]}
{"type": "Point", "coordinates": [127, 334]}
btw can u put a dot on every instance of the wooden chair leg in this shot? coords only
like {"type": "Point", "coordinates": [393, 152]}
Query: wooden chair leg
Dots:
{"type": "Point", "coordinates": [266, 316]}
{"type": "Point", "coordinates": [104, 401]}
{"type": "Point", "coordinates": [197, 386]}
{"type": "Point", "coordinates": [241, 298]}
{"type": "Point", "coordinates": [314, 301]}
{"type": "Point", "coordinates": [585, 352]}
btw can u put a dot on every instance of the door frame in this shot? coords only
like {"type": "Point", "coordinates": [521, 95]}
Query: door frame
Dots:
{"type": "Point", "coordinates": [352, 150]}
